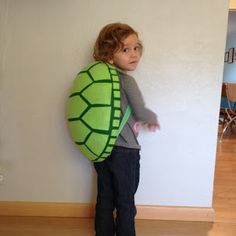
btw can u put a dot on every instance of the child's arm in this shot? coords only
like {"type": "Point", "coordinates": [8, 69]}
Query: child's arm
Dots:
{"type": "Point", "coordinates": [145, 116]}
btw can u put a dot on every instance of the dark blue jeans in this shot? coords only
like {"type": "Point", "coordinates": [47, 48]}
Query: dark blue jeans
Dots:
{"type": "Point", "coordinates": [118, 178]}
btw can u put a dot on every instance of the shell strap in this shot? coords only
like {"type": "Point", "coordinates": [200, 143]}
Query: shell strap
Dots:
{"type": "Point", "coordinates": [125, 118]}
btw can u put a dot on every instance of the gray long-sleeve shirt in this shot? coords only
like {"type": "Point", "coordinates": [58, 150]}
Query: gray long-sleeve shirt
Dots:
{"type": "Point", "coordinates": [130, 94]}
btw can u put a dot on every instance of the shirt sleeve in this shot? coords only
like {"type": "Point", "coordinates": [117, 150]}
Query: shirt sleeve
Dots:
{"type": "Point", "coordinates": [136, 101]}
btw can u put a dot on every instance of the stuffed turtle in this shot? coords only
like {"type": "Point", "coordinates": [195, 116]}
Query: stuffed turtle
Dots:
{"type": "Point", "coordinates": [94, 111]}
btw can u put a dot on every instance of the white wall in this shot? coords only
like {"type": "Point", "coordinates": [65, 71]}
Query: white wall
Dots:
{"type": "Point", "coordinates": [45, 43]}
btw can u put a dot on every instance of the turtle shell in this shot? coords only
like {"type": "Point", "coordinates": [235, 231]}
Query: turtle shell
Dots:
{"type": "Point", "coordinates": [93, 112]}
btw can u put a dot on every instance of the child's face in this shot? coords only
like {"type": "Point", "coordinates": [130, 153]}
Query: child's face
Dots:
{"type": "Point", "coordinates": [127, 58]}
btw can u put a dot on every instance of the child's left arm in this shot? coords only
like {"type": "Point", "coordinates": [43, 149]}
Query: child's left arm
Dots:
{"type": "Point", "coordinates": [144, 116]}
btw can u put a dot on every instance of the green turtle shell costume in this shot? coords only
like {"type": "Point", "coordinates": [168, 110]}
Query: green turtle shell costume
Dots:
{"type": "Point", "coordinates": [93, 110]}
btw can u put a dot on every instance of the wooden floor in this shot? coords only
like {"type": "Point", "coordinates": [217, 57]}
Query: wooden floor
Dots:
{"type": "Point", "coordinates": [15, 226]}
{"type": "Point", "coordinates": [225, 179]}
{"type": "Point", "coordinates": [224, 204]}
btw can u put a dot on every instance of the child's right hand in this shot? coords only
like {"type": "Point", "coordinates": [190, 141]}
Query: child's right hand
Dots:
{"type": "Point", "coordinates": [153, 127]}
{"type": "Point", "coordinates": [149, 127]}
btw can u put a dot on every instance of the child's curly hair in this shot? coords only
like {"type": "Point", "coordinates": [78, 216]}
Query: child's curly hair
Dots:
{"type": "Point", "coordinates": [110, 40]}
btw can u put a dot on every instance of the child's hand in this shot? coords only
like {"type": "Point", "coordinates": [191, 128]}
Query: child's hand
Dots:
{"type": "Point", "coordinates": [153, 127]}
{"type": "Point", "coordinates": [149, 127]}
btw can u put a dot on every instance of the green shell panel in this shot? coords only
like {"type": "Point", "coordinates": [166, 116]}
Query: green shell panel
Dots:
{"type": "Point", "coordinates": [98, 118]}
{"type": "Point", "coordinates": [84, 131]}
{"type": "Point", "coordinates": [97, 142]}
{"type": "Point", "coordinates": [103, 88]}
{"type": "Point", "coordinates": [75, 110]}
{"type": "Point", "coordinates": [98, 73]}
{"type": "Point", "coordinates": [82, 81]}
{"type": "Point", "coordinates": [94, 110]}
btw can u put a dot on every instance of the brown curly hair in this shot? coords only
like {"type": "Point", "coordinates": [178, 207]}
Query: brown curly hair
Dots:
{"type": "Point", "coordinates": [110, 40]}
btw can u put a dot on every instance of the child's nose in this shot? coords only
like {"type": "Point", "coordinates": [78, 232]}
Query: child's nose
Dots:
{"type": "Point", "coordinates": [134, 53]}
